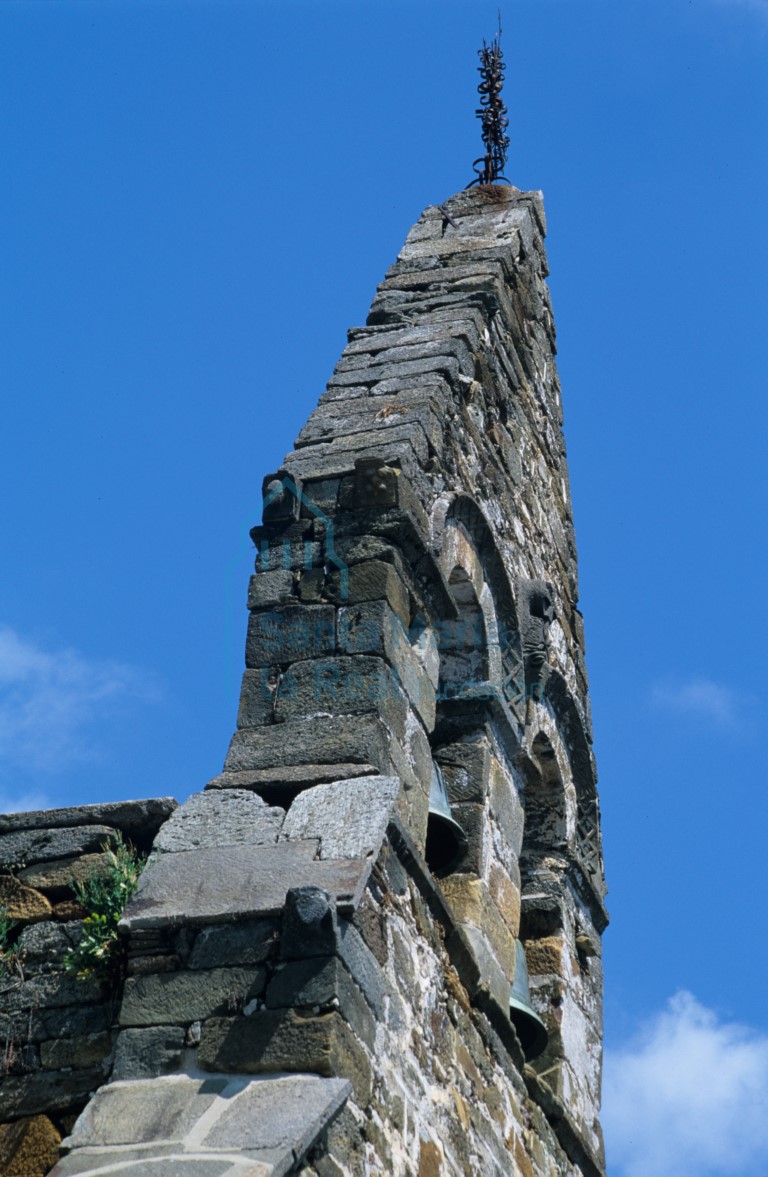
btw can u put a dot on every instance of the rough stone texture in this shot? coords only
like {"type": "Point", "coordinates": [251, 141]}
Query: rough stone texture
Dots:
{"type": "Point", "coordinates": [142, 818]}
{"type": "Point", "coordinates": [22, 902]}
{"type": "Point", "coordinates": [29, 1147]}
{"type": "Point", "coordinates": [56, 1028]}
{"type": "Point", "coordinates": [145, 1053]}
{"type": "Point", "coordinates": [233, 944]}
{"type": "Point", "coordinates": [349, 817]}
{"type": "Point", "coordinates": [227, 818]}
{"type": "Point", "coordinates": [136, 1113]}
{"type": "Point", "coordinates": [178, 1126]}
{"type": "Point", "coordinates": [26, 847]}
{"type": "Point", "coordinates": [279, 1040]}
{"type": "Point", "coordinates": [267, 1114]}
{"type": "Point", "coordinates": [173, 998]}
{"type": "Point", "coordinates": [57, 877]}
{"type": "Point", "coordinates": [415, 603]}
{"type": "Point", "coordinates": [217, 884]}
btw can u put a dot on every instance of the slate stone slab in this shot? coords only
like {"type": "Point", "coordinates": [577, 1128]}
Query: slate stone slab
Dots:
{"type": "Point", "coordinates": [26, 847]}
{"type": "Point", "coordinates": [144, 1111]}
{"type": "Point", "coordinates": [281, 1113]}
{"type": "Point", "coordinates": [151, 1163]}
{"type": "Point", "coordinates": [224, 817]}
{"type": "Point", "coordinates": [218, 884]}
{"type": "Point", "coordinates": [129, 816]}
{"type": "Point", "coordinates": [288, 778]}
{"type": "Point", "coordinates": [349, 817]}
{"type": "Point", "coordinates": [166, 998]}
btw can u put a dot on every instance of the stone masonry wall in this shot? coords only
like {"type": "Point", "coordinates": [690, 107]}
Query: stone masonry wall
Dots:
{"type": "Point", "coordinates": [56, 1031]}
{"type": "Point", "coordinates": [330, 943]}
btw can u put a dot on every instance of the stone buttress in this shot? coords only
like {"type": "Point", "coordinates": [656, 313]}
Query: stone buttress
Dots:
{"type": "Point", "coordinates": [320, 960]}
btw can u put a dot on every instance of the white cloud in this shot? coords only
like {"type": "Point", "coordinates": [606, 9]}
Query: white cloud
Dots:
{"type": "Point", "coordinates": [701, 697]}
{"type": "Point", "coordinates": [50, 702]}
{"type": "Point", "coordinates": [687, 1097]}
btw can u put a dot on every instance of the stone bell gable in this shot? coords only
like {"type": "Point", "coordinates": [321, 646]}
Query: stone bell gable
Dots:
{"type": "Point", "coordinates": [372, 943]}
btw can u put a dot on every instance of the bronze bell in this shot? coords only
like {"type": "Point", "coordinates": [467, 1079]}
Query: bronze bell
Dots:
{"type": "Point", "coordinates": [446, 840]}
{"type": "Point", "coordinates": [530, 1029]}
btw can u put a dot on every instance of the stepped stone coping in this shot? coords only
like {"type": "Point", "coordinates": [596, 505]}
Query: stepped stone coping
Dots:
{"type": "Point", "coordinates": [217, 884]}
{"type": "Point", "coordinates": [147, 815]}
{"type": "Point", "coordinates": [202, 1125]}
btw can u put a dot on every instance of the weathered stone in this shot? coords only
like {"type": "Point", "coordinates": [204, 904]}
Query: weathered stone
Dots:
{"type": "Point", "coordinates": [349, 817]}
{"type": "Point", "coordinates": [364, 968]}
{"type": "Point", "coordinates": [258, 695]}
{"type": "Point", "coordinates": [319, 983]}
{"type": "Point", "coordinates": [131, 817]}
{"type": "Point", "coordinates": [158, 1161]}
{"type": "Point", "coordinates": [506, 896]}
{"type": "Point", "coordinates": [506, 807]}
{"type": "Point", "coordinates": [291, 633]}
{"type": "Point", "coordinates": [26, 847]}
{"type": "Point", "coordinates": [372, 628]}
{"type": "Point", "coordinates": [375, 580]}
{"type": "Point", "coordinates": [224, 817]}
{"type": "Point", "coordinates": [51, 991]}
{"type": "Point", "coordinates": [21, 902]}
{"type": "Point", "coordinates": [471, 903]}
{"type": "Point", "coordinates": [68, 909]}
{"type": "Point", "coordinates": [233, 944]}
{"type": "Point", "coordinates": [92, 1050]}
{"type": "Point", "coordinates": [310, 927]}
{"type": "Point", "coordinates": [353, 739]}
{"type": "Point", "coordinates": [279, 1040]}
{"type": "Point", "coordinates": [342, 686]}
{"type": "Point", "coordinates": [173, 998]}
{"type": "Point", "coordinates": [46, 1092]}
{"type": "Point", "coordinates": [279, 1113]}
{"type": "Point", "coordinates": [220, 883]}
{"type": "Point", "coordinates": [29, 1147]}
{"type": "Point", "coordinates": [288, 780]}
{"type": "Point", "coordinates": [268, 588]}
{"type": "Point", "coordinates": [144, 1111]}
{"type": "Point", "coordinates": [545, 955]}
{"type": "Point", "coordinates": [146, 1053]}
{"type": "Point", "coordinates": [59, 875]}
{"type": "Point", "coordinates": [466, 769]}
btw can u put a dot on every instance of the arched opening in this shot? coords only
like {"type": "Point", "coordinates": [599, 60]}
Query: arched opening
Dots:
{"type": "Point", "coordinates": [463, 642]}
{"type": "Point", "coordinates": [545, 802]}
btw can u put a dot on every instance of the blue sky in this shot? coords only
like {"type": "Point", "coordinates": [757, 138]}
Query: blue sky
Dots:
{"type": "Point", "coordinates": [198, 198]}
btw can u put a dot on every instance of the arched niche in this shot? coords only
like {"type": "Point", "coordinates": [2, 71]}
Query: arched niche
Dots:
{"type": "Point", "coordinates": [468, 555]}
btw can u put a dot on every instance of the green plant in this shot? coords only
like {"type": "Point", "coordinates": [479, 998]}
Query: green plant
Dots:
{"type": "Point", "coordinates": [103, 896]}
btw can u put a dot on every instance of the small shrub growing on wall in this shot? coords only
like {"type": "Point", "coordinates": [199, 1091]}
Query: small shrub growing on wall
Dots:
{"type": "Point", "coordinates": [103, 897]}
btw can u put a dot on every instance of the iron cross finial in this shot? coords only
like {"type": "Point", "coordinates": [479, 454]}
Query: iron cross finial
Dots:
{"type": "Point", "coordinates": [492, 114]}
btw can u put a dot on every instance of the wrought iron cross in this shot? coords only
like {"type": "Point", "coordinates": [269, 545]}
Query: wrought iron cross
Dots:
{"type": "Point", "coordinates": [492, 114]}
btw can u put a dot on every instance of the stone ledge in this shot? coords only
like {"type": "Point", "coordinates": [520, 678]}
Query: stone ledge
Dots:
{"type": "Point", "coordinates": [219, 884]}
{"type": "Point", "coordinates": [213, 1126]}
